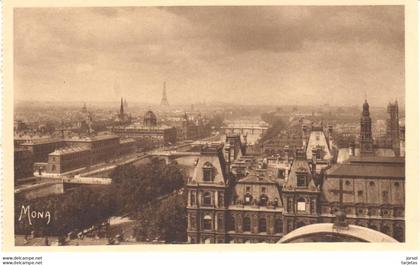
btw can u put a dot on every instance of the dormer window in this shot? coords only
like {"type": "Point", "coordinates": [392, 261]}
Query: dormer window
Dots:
{"type": "Point", "coordinates": [247, 199]}
{"type": "Point", "coordinates": [302, 180]}
{"type": "Point", "coordinates": [208, 175]}
{"type": "Point", "coordinates": [263, 200]}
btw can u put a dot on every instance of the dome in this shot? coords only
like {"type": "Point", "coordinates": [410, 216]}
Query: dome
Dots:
{"type": "Point", "coordinates": [150, 119]}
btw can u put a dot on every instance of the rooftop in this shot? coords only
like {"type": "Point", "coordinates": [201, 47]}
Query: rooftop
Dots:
{"type": "Point", "coordinates": [70, 150]}
{"type": "Point", "coordinates": [377, 160]}
{"type": "Point", "coordinates": [93, 138]}
{"type": "Point", "coordinates": [367, 170]}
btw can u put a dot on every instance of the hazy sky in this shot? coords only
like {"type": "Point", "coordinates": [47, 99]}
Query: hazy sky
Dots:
{"type": "Point", "coordinates": [258, 55]}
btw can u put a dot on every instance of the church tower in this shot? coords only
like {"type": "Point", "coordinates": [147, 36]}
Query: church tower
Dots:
{"type": "Point", "coordinates": [122, 108]}
{"type": "Point", "coordinates": [393, 127]}
{"type": "Point", "coordinates": [366, 141]}
{"type": "Point", "coordinates": [164, 101]}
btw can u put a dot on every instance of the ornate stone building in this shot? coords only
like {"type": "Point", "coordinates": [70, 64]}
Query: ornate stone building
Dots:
{"type": "Point", "coordinates": [366, 140]}
{"type": "Point", "coordinates": [235, 198]}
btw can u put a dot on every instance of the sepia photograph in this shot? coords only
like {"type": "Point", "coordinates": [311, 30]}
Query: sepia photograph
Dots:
{"type": "Point", "coordinates": [259, 124]}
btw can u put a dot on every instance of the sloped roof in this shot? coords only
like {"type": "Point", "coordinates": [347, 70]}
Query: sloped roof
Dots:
{"type": "Point", "coordinates": [256, 180]}
{"type": "Point", "coordinates": [367, 170]}
{"type": "Point", "coordinates": [218, 164]}
{"type": "Point", "coordinates": [299, 165]}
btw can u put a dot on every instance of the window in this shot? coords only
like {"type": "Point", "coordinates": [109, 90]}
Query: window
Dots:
{"type": "Point", "coordinates": [230, 223]}
{"type": "Point", "coordinates": [207, 224]}
{"type": "Point", "coordinates": [263, 199]}
{"type": "Point", "coordinates": [207, 199]}
{"type": "Point", "coordinates": [247, 199]}
{"type": "Point", "coordinates": [372, 184]}
{"type": "Point", "coordinates": [221, 199]}
{"type": "Point", "coordinates": [248, 189]}
{"type": "Point", "coordinates": [301, 205]}
{"type": "Point", "coordinates": [278, 226]}
{"type": "Point", "coordinates": [262, 225]}
{"type": "Point", "coordinates": [312, 206]}
{"type": "Point", "coordinates": [263, 189]}
{"type": "Point", "coordinates": [385, 229]}
{"type": "Point", "coordinates": [301, 180]}
{"type": "Point", "coordinates": [220, 222]}
{"type": "Point", "coordinates": [396, 184]}
{"type": "Point", "coordinates": [247, 224]}
{"type": "Point", "coordinates": [318, 154]}
{"type": "Point", "coordinates": [385, 196]}
{"type": "Point", "coordinates": [359, 192]}
{"type": "Point", "coordinates": [399, 233]}
{"type": "Point", "coordinates": [276, 202]}
{"type": "Point", "coordinates": [208, 172]}
{"type": "Point", "coordinates": [347, 183]}
{"type": "Point", "coordinates": [192, 198]}
{"type": "Point", "coordinates": [289, 205]}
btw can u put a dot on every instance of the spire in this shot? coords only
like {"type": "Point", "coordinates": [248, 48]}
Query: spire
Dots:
{"type": "Point", "coordinates": [164, 101]}
{"type": "Point", "coordinates": [84, 109]}
{"type": "Point", "coordinates": [122, 107]}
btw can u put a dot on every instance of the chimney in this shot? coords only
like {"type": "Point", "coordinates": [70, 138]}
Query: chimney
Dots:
{"type": "Point", "coordinates": [353, 149]}
{"type": "Point", "coordinates": [313, 167]}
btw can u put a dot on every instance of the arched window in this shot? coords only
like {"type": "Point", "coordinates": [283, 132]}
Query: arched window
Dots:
{"type": "Point", "coordinates": [301, 205]}
{"type": "Point", "coordinates": [263, 199]}
{"type": "Point", "coordinates": [207, 199]}
{"type": "Point", "coordinates": [262, 225]}
{"type": "Point", "coordinates": [247, 199]}
{"type": "Point", "coordinates": [278, 226]}
{"type": "Point", "coordinates": [208, 172]}
{"type": "Point", "coordinates": [247, 224]}
{"type": "Point", "coordinates": [207, 222]}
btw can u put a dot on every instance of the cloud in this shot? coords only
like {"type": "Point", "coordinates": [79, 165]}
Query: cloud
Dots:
{"type": "Point", "coordinates": [261, 55]}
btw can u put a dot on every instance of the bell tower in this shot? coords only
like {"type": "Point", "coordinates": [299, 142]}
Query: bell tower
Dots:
{"type": "Point", "coordinates": [366, 141]}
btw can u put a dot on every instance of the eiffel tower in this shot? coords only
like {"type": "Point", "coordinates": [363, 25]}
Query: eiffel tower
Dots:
{"type": "Point", "coordinates": [164, 101]}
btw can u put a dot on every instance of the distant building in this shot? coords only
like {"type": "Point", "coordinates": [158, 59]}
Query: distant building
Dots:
{"type": "Point", "coordinates": [235, 198]}
{"type": "Point", "coordinates": [393, 127]}
{"type": "Point", "coordinates": [68, 159]}
{"type": "Point", "coordinates": [122, 117]}
{"type": "Point", "coordinates": [254, 129]}
{"type": "Point", "coordinates": [150, 133]}
{"type": "Point", "coordinates": [371, 192]}
{"type": "Point", "coordinates": [23, 163]}
{"type": "Point", "coordinates": [102, 147]}
{"type": "Point", "coordinates": [366, 140]}
{"type": "Point", "coordinates": [164, 101]}
{"type": "Point", "coordinates": [41, 147]}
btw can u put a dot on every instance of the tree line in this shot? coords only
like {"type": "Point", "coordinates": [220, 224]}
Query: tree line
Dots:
{"type": "Point", "coordinates": [131, 191]}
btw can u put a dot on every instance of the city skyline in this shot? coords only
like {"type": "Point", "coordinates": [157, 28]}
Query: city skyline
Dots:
{"type": "Point", "coordinates": [211, 54]}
